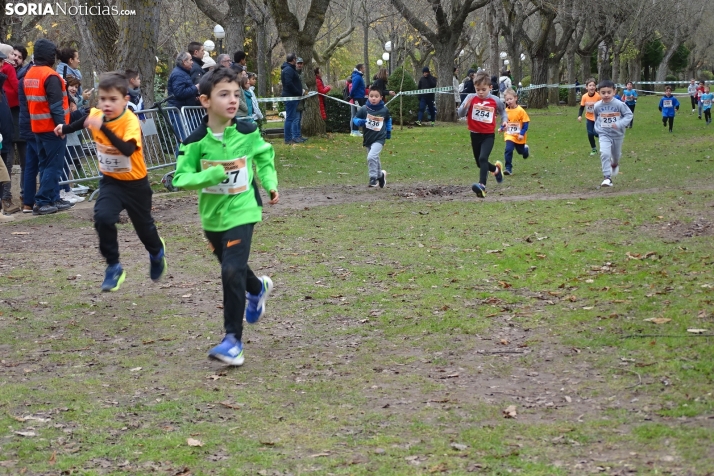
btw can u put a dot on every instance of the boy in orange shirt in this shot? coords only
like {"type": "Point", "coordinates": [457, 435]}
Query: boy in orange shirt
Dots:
{"type": "Point", "coordinates": [515, 131]}
{"type": "Point", "coordinates": [124, 184]}
{"type": "Point", "coordinates": [587, 104]}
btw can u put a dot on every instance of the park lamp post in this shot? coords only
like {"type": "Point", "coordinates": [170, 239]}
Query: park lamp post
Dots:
{"type": "Point", "coordinates": [379, 62]}
{"type": "Point", "coordinates": [219, 33]}
{"type": "Point", "coordinates": [209, 46]}
{"type": "Point", "coordinates": [503, 56]}
{"type": "Point", "coordinates": [388, 49]}
{"type": "Point", "coordinates": [385, 57]}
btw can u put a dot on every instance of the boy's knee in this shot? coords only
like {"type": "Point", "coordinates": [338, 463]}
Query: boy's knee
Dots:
{"type": "Point", "coordinates": [231, 270]}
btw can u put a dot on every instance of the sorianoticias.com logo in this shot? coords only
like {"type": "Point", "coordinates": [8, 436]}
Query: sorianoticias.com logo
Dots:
{"type": "Point", "coordinates": [64, 8]}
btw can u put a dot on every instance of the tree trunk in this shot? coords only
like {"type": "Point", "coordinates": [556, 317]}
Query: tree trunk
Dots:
{"type": "Point", "coordinates": [494, 60]}
{"type": "Point", "coordinates": [99, 35]}
{"type": "Point", "coordinates": [261, 37]}
{"type": "Point", "coordinates": [138, 40]}
{"type": "Point", "coordinates": [445, 104]}
{"type": "Point", "coordinates": [570, 62]}
{"type": "Point", "coordinates": [635, 69]}
{"type": "Point", "coordinates": [234, 25]}
{"type": "Point", "coordinates": [663, 66]}
{"type": "Point", "coordinates": [585, 67]}
{"type": "Point", "coordinates": [365, 52]}
{"type": "Point", "coordinates": [554, 78]}
{"type": "Point", "coordinates": [538, 98]}
{"type": "Point", "coordinates": [605, 66]}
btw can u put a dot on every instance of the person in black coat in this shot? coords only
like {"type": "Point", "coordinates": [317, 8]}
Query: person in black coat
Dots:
{"type": "Point", "coordinates": [494, 86]}
{"type": "Point", "coordinates": [380, 83]}
{"type": "Point", "coordinates": [427, 81]}
{"type": "Point", "coordinates": [196, 49]}
{"type": "Point", "coordinates": [469, 87]}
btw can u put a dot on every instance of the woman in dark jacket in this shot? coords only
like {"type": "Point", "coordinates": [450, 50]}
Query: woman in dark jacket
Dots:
{"type": "Point", "coordinates": [494, 86]}
{"type": "Point", "coordinates": [380, 83]}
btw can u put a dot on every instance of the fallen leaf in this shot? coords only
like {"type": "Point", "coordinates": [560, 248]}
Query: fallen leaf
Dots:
{"type": "Point", "coordinates": [494, 251]}
{"type": "Point", "coordinates": [231, 405]}
{"type": "Point", "coordinates": [192, 442]}
{"type": "Point", "coordinates": [658, 320]}
{"type": "Point", "coordinates": [317, 455]}
{"type": "Point", "coordinates": [135, 369]}
{"type": "Point", "coordinates": [186, 295]}
{"type": "Point", "coordinates": [504, 284]}
{"type": "Point", "coordinates": [439, 468]}
{"type": "Point", "coordinates": [53, 458]}
{"type": "Point", "coordinates": [697, 331]}
{"type": "Point", "coordinates": [29, 434]}
{"type": "Point", "coordinates": [568, 399]}
{"type": "Point", "coordinates": [504, 342]}
{"type": "Point", "coordinates": [20, 233]}
{"type": "Point", "coordinates": [510, 412]}
{"type": "Point", "coordinates": [459, 446]}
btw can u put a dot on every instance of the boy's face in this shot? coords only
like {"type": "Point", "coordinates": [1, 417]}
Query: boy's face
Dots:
{"type": "Point", "coordinates": [482, 90]}
{"type": "Point", "coordinates": [511, 101]}
{"type": "Point", "coordinates": [706, 89]}
{"type": "Point", "coordinates": [667, 92]}
{"type": "Point", "coordinates": [606, 94]}
{"type": "Point", "coordinates": [591, 87]}
{"type": "Point", "coordinates": [374, 97]}
{"type": "Point", "coordinates": [629, 86]}
{"type": "Point", "coordinates": [135, 82]}
{"type": "Point", "coordinates": [112, 103]}
{"type": "Point", "coordinates": [224, 100]}
{"type": "Point", "coordinates": [72, 90]}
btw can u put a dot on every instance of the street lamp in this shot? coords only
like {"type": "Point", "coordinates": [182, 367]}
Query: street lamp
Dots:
{"type": "Point", "coordinates": [523, 57]}
{"type": "Point", "coordinates": [209, 46]}
{"type": "Point", "coordinates": [379, 63]}
{"type": "Point", "coordinates": [219, 33]}
{"type": "Point", "coordinates": [506, 62]}
{"type": "Point", "coordinates": [388, 49]}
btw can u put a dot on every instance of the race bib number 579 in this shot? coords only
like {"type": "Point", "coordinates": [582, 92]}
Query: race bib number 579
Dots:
{"type": "Point", "coordinates": [237, 181]}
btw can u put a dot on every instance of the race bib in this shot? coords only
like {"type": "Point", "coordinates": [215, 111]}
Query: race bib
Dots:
{"type": "Point", "coordinates": [513, 128]}
{"type": "Point", "coordinates": [608, 119]}
{"type": "Point", "coordinates": [237, 181]}
{"type": "Point", "coordinates": [483, 114]}
{"type": "Point", "coordinates": [590, 107]}
{"type": "Point", "coordinates": [111, 160]}
{"type": "Point", "coordinates": [706, 102]}
{"type": "Point", "coordinates": [667, 103]}
{"type": "Point", "coordinates": [374, 123]}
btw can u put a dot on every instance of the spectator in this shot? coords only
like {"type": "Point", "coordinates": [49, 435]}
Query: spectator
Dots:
{"type": "Point", "coordinates": [244, 110]}
{"type": "Point", "coordinates": [136, 101]}
{"type": "Point", "coordinates": [504, 83]}
{"type": "Point", "coordinates": [297, 130]}
{"type": "Point", "coordinates": [10, 104]}
{"type": "Point", "coordinates": [69, 64]}
{"type": "Point", "coordinates": [182, 91]}
{"type": "Point", "coordinates": [380, 83]}
{"type": "Point", "coordinates": [196, 51]}
{"type": "Point", "coordinates": [322, 89]}
{"type": "Point", "coordinates": [7, 132]}
{"type": "Point", "coordinates": [257, 113]}
{"type": "Point", "coordinates": [292, 87]}
{"type": "Point", "coordinates": [357, 94]}
{"type": "Point", "coordinates": [4, 177]}
{"type": "Point", "coordinates": [468, 85]}
{"type": "Point", "coordinates": [208, 63]}
{"type": "Point", "coordinates": [239, 57]}
{"type": "Point", "coordinates": [28, 159]}
{"type": "Point", "coordinates": [20, 55]}
{"type": "Point", "coordinates": [48, 107]}
{"type": "Point", "coordinates": [494, 85]}
{"type": "Point", "coordinates": [223, 60]}
{"type": "Point", "coordinates": [426, 101]}
{"type": "Point", "coordinates": [457, 86]}
{"type": "Point", "coordinates": [73, 86]}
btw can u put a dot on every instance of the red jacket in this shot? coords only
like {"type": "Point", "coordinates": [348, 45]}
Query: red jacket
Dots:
{"type": "Point", "coordinates": [322, 89]}
{"type": "Point", "coordinates": [11, 84]}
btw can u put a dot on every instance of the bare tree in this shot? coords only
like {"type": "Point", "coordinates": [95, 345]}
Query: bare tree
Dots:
{"type": "Point", "coordinates": [232, 20]}
{"type": "Point", "coordinates": [684, 21]}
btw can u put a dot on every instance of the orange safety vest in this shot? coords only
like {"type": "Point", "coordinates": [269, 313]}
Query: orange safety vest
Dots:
{"type": "Point", "coordinates": [37, 105]}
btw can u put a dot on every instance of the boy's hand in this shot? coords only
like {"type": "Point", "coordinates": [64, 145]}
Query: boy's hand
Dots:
{"type": "Point", "coordinates": [520, 136]}
{"type": "Point", "coordinates": [361, 122]}
{"type": "Point", "coordinates": [58, 131]}
{"type": "Point", "coordinates": [87, 94]}
{"type": "Point", "coordinates": [274, 197]}
{"type": "Point", "coordinates": [94, 122]}
{"type": "Point", "coordinates": [580, 118]}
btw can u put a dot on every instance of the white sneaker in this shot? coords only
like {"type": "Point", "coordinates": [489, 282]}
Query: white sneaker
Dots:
{"type": "Point", "coordinates": [615, 169]}
{"type": "Point", "coordinates": [80, 189]}
{"type": "Point", "coordinates": [606, 183]}
{"type": "Point", "coordinates": [73, 197]}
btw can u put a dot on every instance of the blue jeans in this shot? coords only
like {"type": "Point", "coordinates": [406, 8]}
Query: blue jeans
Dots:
{"type": "Point", "coordinates": [591, 132]}
{"type": "Point", "coordinates": [508, 154]}
{"type": "Point", "coordinates": [50, 149]}
{"type": "Point", "coordinates": [297, 132]}
{"type": "Point", "coordinates": [29, 179]}
{"type": "Point", "coordinates": [290, 116]}
{"type": "Point", "coordinates": [177, 123]}
{"type": "Point", "coordinates": [424, 103]}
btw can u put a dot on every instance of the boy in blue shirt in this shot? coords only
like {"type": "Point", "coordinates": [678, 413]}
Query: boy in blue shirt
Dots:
{"type": "Point", "coordinates": [668, 105]}
{"type": "Point", "coordinates": [629, 96]}
{"type": "Point", "coordinates": [706, 101]}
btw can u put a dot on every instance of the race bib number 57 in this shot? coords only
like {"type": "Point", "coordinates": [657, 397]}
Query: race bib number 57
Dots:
{"type": "Point", "coordinates": [483, 114]}
{"type": "Point", "coordinates": [237, 181]}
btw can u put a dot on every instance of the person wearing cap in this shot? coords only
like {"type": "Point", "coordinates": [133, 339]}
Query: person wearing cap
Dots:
{"type": "Point", "coordinates": [468, 83]}
{"type": "Point", "coordinates": [292, 87]}
{"type": "Point", "coordinates": [427, 81]}
{"type": "Point", "coordinates": [297, 130]}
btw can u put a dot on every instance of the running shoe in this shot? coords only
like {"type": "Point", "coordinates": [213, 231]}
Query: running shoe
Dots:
{"type": "Point", "coordinates": [113, 277]}
{"type": "Point", "coordinates": [229, 351]}
{"type": "Point", "coordinates": [255, 305]}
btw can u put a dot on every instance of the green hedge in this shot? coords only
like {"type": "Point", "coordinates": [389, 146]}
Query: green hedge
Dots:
{"type": "Point", "coordinates": [338, 114]}
{"type": "Point", "coordinates": [410, 106]}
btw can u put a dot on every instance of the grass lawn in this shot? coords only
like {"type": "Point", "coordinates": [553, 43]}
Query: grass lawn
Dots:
{"type": "Point", "coordinates": [403, 327]}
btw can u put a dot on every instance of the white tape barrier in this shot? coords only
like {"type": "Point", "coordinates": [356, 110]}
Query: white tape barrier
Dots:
{"type": "Point", "coordinates": [582, 86]}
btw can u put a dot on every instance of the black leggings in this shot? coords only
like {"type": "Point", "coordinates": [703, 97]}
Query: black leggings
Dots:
{"type": "Point", "coordinates": [482, 144]}
{"type": "Point", "coordinates": [632, 108]}
{"type": "Point", "coordinates": [668, 119]}
{"type": "Point", "coordinates": [694, 102]}
{"type": "Point", "coordinates": [708, 115]}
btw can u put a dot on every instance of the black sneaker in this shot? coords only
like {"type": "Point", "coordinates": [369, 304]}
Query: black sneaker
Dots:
{"type": "Point", "coordinates": [382, 180]}
{"type": "Point", "coordinates": [44, 209]}
{"type": "Point", "coordinates": [62, 205]}
{"type": "Point", "coordinates": [372, 182]}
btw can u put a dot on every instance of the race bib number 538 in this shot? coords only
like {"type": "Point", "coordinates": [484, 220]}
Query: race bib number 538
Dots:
{"type": "Point", "coordinates": [237, 181]}
{"type": "Point", "coordinates": [483, 114]}
{"type": "Point", "coordinates": [374, 123]}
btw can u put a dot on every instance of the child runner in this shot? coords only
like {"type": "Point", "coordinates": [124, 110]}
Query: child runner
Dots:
{"type": "Point", "coordinates": [611, 118]}
{"type": "Point", "coordinates": [668, 105]}
{"type": "Point", "coordinates": [692, 90]}
{"type": "Point", "coordinates": [377, 122]}
{"type": "Point", "coordinates": [480, 111]}
{"type": "Point", "coordinates": [217, 159]}
{"type": "Point", "coordinates": [516, 130]}
{"type": "Point", "coordinates": [587, 103]}
{"type": "Point", "coordinates": [706, 101]}
{"type": "Point", "coordinates": [124, 184]}
{"type": "Point", "coordinates": [630, 97]}
{"type": "Point", "coordinates": [700, 91]}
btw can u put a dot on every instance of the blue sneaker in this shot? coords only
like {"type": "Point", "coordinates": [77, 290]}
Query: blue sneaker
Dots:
{"type": "Point", "coordinates": [158, 263]}
{"type": "Point", "coordinates": [255, 305]}
{"type": "Point", "coordinates": [499, 172]}
{"type": "Point", "coordinates": [479, 190]}
{"type": "Point", "coordinates": [229, 351]}
{"type": "Point", "coordinates": [113, 277]}
{"type": "Point", "coordinates": [526, 151]}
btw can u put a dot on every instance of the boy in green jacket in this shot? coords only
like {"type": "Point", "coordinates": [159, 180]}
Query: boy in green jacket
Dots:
{"type": "Point", "coordinates": [217, 159]}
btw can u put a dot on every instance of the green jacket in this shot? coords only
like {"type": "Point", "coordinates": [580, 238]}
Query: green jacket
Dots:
{"type": "Point", "coordinates": [222, 171]}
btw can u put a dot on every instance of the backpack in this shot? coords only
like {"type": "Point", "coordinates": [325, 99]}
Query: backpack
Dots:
{"type": "Point", "coordinates": [502, 86]}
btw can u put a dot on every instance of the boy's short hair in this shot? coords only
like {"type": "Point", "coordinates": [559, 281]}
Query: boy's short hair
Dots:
{"type": "Point", "coordinates": [510, 91]}
{"type": "Point", "coordinates": [629, 82]}
{"type": "Point", "coordinates": [131, 74]}
{"type": "Point", "coordinates": [668, 88]}
{"type": "Point", "coordinates": [209, 80]}
{"type": "Point", "coordinates": [290, 57]}
{"type": "Point", "coordinates": [72, 80]}
{"type": "Point", "coordinates": [66, 54]}
{"type": "Point", "coordinates": [114, 80]}
{"type": "Point", "coordinates": [239, 56]}
{"type": "Point", "coordinates": [372, 89]}
{"type": "Point", "coordinates": [606, 83]}
{"type": "Point", "coordinates": [590, 80]}
{"type": "Point", "coordinates": [194, 46]}
{"type": "Point", "coordinates": [482, 78]}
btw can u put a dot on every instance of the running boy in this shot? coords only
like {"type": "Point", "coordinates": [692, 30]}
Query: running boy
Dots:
{"type": "Point", "coordinates": [692, 90]}
{"type": "Point", "coordinates": [587, 104]}
{"type": "Point", "coordinates": [630, 98]}
{"type": "Point", "coordinates": [516, 130]}
{"type": "Point", "coordinates": [706, 100]}
{"type": "Point", "coordinates": [124, 184]}
{"type": "Point", "coordinates": [377, 122]}
{"type": "Point", "coordinates": [480, 110]}
{"type": "Point", "coordinates": [668, 105]}
{"type": "Point", "coordinates": [217, 159]}
{"type": "Point", "coordinates": [611, 118]}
